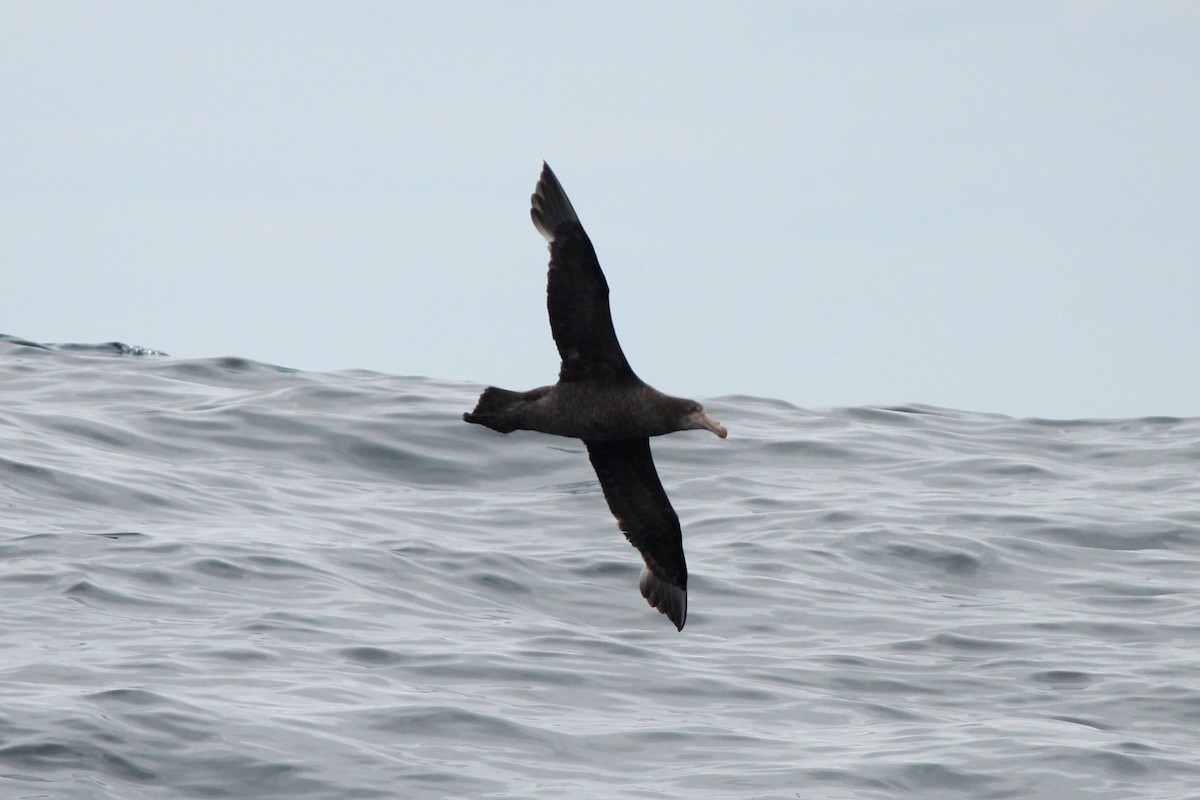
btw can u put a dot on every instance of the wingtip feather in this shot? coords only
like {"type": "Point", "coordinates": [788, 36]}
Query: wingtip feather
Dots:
{"type": "Point", "coordinates": [667, 598]}
{"type": "Point", "coordinates": [548, 206]}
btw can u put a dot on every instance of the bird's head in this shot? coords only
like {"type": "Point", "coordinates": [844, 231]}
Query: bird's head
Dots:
{"type": "Point", "coordinates": [695, 418]}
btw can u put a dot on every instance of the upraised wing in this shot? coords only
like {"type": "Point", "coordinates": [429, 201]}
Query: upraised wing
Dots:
{"type": "Point", "coordinates": [576, 291]}
{"type": "Point", "coordinates": [637, 499]}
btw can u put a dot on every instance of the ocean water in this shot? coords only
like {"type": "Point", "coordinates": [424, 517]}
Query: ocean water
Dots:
{"type": "Point", "coordinates": [224, 579]}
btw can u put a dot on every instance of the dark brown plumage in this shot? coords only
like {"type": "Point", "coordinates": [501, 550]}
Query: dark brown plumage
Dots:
{"type": "Point", "coordinates": [600, 400]}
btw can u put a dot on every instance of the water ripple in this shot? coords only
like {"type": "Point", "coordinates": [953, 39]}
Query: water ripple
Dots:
{"type": "Point", "coordinates": [221, 578]}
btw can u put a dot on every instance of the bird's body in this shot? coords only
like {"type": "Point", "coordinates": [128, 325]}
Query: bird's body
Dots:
{"type": "Point", "coordinates": [587, 411]}
{"type": "Point", "coordinates": [600, 400]}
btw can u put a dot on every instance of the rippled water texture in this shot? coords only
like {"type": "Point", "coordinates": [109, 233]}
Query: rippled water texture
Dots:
{"type": "Point", "coordinates": [222, 579]}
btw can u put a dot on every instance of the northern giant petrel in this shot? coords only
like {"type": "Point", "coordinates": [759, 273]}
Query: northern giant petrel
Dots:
{"type": "Point", "coordinates": [600, 400]}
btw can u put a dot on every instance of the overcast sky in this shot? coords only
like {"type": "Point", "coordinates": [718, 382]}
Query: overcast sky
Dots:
{"type": "Point", "coordinates": [987, 206]}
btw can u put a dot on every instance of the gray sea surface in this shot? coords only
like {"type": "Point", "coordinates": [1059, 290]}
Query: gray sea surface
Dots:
{"type": "Point", "coordinates": [224, 579]}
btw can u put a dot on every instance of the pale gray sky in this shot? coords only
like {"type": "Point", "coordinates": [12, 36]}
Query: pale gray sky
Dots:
{"type": "Point", "coordinates": [989, 206]}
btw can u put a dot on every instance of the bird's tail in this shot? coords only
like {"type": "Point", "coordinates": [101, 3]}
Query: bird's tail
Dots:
{"type": "Point", "coordinates": [494, 409]}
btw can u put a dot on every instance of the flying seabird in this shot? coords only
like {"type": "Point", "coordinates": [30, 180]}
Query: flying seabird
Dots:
{"type": "Point", "coordinates": [600, 400]}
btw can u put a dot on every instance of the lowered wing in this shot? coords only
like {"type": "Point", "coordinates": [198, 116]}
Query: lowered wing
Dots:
{"type": "Point", "coordinates": [637, 499]}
